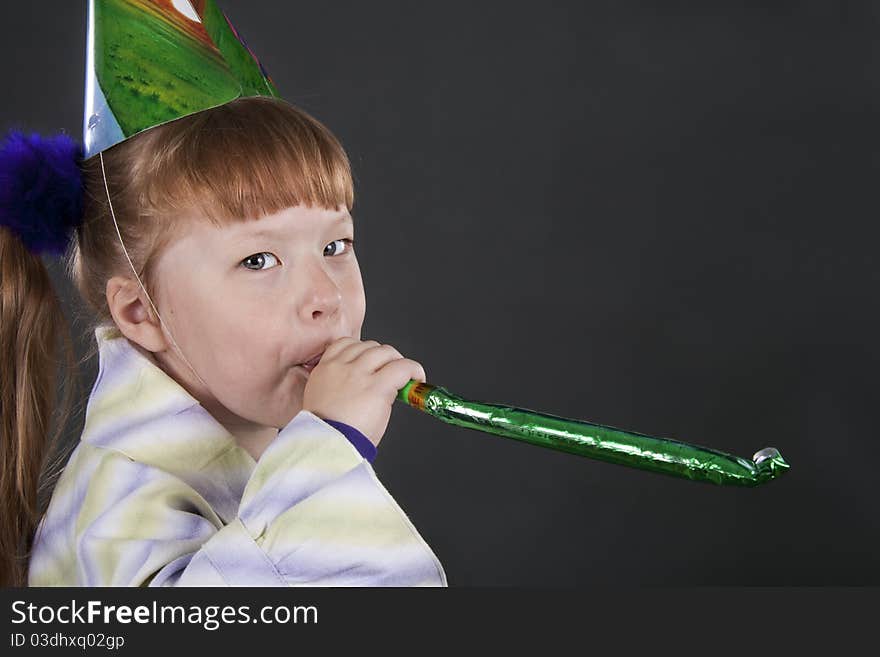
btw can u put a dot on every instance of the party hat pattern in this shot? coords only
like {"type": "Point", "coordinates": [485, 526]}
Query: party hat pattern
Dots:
{"type": "Point", "coordinates": [153, 61]}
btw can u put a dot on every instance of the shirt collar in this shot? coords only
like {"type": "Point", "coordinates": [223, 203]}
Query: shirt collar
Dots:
{"type": "Point", "coordinates": [135, 408]}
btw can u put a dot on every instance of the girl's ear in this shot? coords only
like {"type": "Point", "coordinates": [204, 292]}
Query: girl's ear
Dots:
{"type": "Point", "coordinates": [133, 314]}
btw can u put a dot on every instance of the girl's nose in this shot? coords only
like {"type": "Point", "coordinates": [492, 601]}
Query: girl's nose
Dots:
{"type": "Point", "coordinates": [322, 296]}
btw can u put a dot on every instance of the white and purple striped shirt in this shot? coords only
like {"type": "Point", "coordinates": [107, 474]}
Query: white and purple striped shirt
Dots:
{"type": "Point", "coordinates": [158, 493]}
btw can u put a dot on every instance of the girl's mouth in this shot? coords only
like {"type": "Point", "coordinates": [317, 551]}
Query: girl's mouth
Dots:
{"type": "Point", "coordinates": [309, 365]}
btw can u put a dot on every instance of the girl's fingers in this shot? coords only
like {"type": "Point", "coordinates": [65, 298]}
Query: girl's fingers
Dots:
{"type": "Point", "coordinates": [397, 373]}
{"type": "Point", "coordinates": [374, 358]}
{"type": "Point", "coordinates": [350, 352]}
{"type": "Point", "coordinates": [337, 346]}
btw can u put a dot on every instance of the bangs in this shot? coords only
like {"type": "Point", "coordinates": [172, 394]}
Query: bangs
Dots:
{"type": "Point", "coordinates": [242, 160]}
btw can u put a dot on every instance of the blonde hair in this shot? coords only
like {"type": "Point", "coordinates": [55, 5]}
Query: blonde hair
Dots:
{"type": "Point", "coordinates": [236, 162]}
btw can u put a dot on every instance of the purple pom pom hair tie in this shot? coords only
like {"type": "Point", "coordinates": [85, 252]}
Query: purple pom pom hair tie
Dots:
{"type": "Point", "coordinates": [41, 192]}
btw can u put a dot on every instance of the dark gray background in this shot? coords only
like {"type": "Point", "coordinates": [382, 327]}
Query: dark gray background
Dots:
{"type": "Point", "coordinates": [652, 215]}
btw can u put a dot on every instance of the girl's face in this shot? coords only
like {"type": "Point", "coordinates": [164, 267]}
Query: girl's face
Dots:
{"type": "Point", "coordinates": [249, 302]}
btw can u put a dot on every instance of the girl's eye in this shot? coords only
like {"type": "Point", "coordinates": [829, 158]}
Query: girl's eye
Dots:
{"type": "Point", "coordinates": [258, 260]}
{"type": "Point", "coordinates": [334, 251]}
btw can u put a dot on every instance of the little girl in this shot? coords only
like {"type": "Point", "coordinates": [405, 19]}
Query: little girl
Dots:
{"type": "Point", "coordinates": [229, 434]}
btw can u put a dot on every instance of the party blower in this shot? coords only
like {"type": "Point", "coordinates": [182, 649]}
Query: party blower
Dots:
{"type": "Point", "coordinates": [595, 440]}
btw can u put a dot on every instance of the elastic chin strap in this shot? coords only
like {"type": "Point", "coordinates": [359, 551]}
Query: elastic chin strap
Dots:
{"type": "Point", "coordinates": [125, 251]}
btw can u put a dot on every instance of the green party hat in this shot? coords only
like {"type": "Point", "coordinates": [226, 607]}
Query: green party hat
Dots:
{"type": "Point", "coordinates": [153, 61]}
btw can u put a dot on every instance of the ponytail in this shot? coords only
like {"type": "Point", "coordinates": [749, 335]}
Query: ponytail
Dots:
{"type": "Point", "coordinates": [31, 326]}
{"type": "Point", "coordinates": [40, 202]}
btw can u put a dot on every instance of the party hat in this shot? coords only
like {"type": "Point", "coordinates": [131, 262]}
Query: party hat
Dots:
{"type": "Point", "coordinates": [153, 61]}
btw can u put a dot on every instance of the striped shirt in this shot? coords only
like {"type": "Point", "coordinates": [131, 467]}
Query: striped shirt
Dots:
{"type": "Point", "coordinates": [158, 493]}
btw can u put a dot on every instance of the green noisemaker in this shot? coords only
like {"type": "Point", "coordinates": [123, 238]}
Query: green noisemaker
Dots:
{"type": "Point", "coordinates": [596, 441]}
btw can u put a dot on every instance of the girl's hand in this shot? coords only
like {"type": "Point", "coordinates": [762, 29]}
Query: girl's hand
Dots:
{"type": "Point", "coordinates": [356, 383]}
